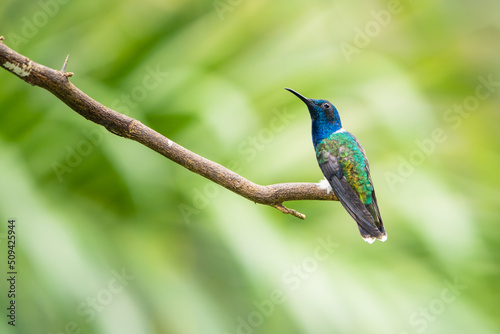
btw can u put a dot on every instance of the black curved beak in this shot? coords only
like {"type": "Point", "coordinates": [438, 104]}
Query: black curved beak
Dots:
{"type": "Point", "coordinates": [303, 98]}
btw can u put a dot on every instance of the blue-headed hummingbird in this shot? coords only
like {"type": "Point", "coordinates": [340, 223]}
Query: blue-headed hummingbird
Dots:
{"type": "Point", "coordinates": [343, 162]}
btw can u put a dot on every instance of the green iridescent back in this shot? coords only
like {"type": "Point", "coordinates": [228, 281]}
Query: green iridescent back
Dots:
{"type": "Point", "coordinates": [344, 146]}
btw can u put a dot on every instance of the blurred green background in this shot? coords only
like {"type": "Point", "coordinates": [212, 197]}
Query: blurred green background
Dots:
{"type": "Point", "coordinates": [114, 238]}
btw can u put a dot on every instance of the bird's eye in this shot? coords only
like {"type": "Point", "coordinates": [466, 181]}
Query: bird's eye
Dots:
{"type": "Point", "coordinates": [326, 106]}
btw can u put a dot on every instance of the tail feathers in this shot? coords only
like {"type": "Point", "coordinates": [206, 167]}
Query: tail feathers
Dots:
{"type": "Point", "coordinates": [377, 221]}
{"type": "Point", "coordinates": [370, 238]}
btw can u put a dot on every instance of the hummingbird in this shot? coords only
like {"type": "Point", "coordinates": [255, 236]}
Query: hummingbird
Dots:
{"type": "Point", "coordinates": [343, 162]}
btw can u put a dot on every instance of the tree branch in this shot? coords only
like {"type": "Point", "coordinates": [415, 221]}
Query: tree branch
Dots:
{"type": "Point", "coordinates": [57, 82]}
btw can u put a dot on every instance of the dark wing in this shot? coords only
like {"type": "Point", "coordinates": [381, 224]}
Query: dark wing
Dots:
{"type": "Point", "coordinates": [373, 207]}
{"type": "Point", "coordinates": [332, 169]}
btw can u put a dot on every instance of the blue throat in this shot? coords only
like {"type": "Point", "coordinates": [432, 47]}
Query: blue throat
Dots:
{"type": "Point", "coordinates": [323, 125]}
{"type": "Point", "coordinates": [321, 131]}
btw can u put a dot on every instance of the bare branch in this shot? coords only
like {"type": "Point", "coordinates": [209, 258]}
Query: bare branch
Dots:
{"type": "Point", "coordinates": [57, 82]}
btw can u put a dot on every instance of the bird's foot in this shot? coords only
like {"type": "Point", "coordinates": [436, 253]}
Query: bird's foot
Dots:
{"type": "Point", "coordinates": [324, 184]}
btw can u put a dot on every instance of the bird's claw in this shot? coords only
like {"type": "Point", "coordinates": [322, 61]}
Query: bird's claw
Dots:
{"type": "Point", "coordinates": [324, 184]}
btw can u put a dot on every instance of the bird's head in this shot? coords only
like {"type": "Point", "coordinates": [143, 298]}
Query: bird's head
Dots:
{"type": "Point", "coordinates": [325, 117]}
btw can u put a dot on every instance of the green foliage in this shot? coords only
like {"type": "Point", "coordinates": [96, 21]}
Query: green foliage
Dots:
{"type": "Point", "coordinates": [114, 238]}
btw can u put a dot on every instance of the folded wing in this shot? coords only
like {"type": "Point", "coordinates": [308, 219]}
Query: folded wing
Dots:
{"type": "Point", "coordinates": [362, 214]}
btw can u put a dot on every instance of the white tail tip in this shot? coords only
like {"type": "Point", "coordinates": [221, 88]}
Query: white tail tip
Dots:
{"type": "Point", "coordinates": [369, 240]}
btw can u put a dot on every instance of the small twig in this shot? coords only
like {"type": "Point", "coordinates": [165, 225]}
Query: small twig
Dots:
{"type": "Point", "coordinates": [289, 211]}
{"type": "Point", "coordinates": [63, 69]}
{"type": "Point", "coordinates": [58, 84]}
